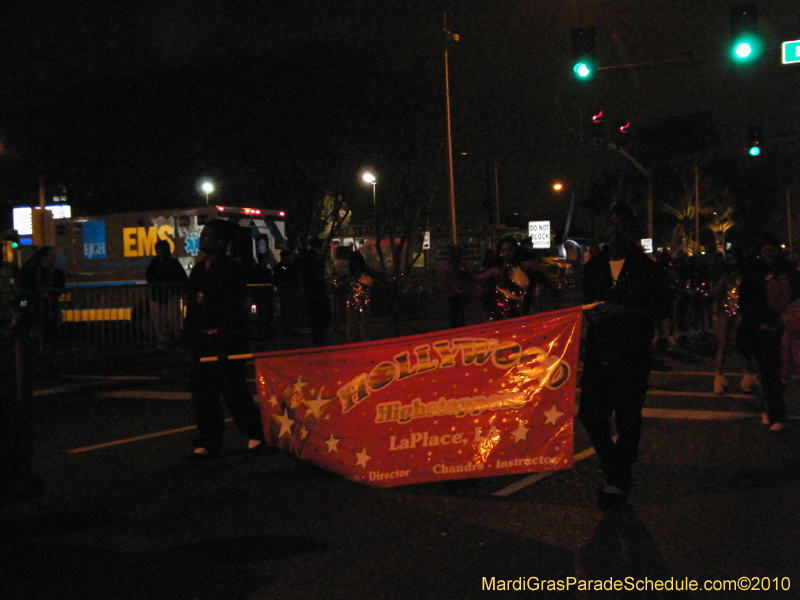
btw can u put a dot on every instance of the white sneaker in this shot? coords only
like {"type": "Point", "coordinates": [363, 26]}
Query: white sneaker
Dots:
{"type": "Point", "coordinates": [776, 427]}
{"type": "Point", "coordinates": [749, 381]}
{"type": "Point", "coordinates": [612, 489]}
{"type": "Point", "coordinates": [720, 384]}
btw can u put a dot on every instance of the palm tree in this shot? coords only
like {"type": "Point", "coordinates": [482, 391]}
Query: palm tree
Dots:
{"type": "Point", "coordinates": [721, 222]}
{"type": "Point", "coordinates": [688, 213]}
{"type": "Point", "coordinates": [681, 234]}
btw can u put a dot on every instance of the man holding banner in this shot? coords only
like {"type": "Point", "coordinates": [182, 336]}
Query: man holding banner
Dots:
{"type": "Point", "coordinates": [624, 294]}
{"type": "Point", "coordinates": [216, 328]}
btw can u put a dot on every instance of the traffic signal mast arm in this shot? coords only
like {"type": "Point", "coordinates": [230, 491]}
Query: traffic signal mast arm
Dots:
{"type": "Point", "coordinates": [746, 45]}
{"type": "Point", "coordinates": [687, 60]}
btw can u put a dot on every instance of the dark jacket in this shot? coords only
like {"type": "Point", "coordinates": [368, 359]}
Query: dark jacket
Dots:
{"type": "Point", "coordinates": [765, 291]}
{"type": "Point", "coordinates": [621, 347]}
{"type": "Point", "coordinates": [216, 308]}
{"type": "Point", "coordinates": [165, 277]}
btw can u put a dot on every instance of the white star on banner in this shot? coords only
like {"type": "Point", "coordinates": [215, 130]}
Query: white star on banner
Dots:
{"type": "Point", "coordinates": [286, 423]}
{"type": "Point", "coordinates": [552, 416]}
{"type": "Point", "coordinates": [520, 433]}
{"type": "Point", "coordinates": [315, 406]}
{"type": "Point", "coordinates": [299, 385]}
{"type": "Point", "coordinates": [274, 400]}
{"type": "Point", "coordinates": [332, 444]}
{"type": "Point", "coordinates": [363, 457]}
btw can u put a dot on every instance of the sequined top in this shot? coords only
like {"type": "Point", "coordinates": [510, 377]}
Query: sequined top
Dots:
{"type": "Point", "coordinates": [731, 301]}
{"type": "Point", "coordinates": [509, 294]}
{"type": "Point", "coordinates": [359, 294]}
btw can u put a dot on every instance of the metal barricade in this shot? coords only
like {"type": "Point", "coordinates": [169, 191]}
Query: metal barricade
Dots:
{"type": "Point", "coordinates": [153, 315]}
{"type": "Point", "coordinates": [263, 308]}
{"type": "Point", "coordinates": [102, 316]}
{"type": "Point", "coordinates": [119, 314]}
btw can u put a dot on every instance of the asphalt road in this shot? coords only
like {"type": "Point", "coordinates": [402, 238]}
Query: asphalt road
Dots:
{"type": "Point", "coordinates": [125, 515]}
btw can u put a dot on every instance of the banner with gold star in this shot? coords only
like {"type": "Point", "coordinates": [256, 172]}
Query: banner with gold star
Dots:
{"type": "Point", "coordinates": [480, 401]}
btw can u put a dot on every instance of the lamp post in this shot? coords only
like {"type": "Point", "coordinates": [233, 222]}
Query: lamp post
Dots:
{"type": "Point", "coordinates": [207, 187]}
{"type": "Point", "coordinates": [558, 187]}
{"type": "Point", "coordinates": [370, 178]}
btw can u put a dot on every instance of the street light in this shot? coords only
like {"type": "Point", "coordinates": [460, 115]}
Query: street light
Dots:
{"type": "Point", "coordinates": [207, 187]}
{"type": "Point", "coordinates": [370, 178]}
{"type": "Point", "coordinates": [558, 187]}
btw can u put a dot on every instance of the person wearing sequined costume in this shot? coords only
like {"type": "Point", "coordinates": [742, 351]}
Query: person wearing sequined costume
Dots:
{"type": "Point", "coordinates": [727, 318]}
{"type": "Point", "coordinates": [508, 282]}
{"type": "Point", "coordinates": [358, 300]}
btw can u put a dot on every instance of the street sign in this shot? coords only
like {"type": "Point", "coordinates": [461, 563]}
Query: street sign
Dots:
{"type": "Point", "coordinates": [539, 232]}
{"type": "Point", "coordinates": [791, 52]}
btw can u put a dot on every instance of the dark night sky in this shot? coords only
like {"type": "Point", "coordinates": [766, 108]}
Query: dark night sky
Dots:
{"type": "Point", "coordinates": [128, 104]}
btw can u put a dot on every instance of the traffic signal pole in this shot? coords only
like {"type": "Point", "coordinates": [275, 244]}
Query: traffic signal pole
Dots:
{"type": "Point", "coordinates": [647, 174]}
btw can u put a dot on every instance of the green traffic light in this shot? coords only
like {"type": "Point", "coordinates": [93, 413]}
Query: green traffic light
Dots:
{"type": "Point", "coordinates": [746, 49]}
{"type": "Point", "coordinates": [582, 70]}
{"type": "Point", "coordinates": [743, 50]}
{"type": "Point", "coordinates": [755, 151]}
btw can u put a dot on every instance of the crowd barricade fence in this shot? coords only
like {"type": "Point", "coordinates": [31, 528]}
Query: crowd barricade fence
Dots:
{"type": "Point", "coordinates": [117, 315]}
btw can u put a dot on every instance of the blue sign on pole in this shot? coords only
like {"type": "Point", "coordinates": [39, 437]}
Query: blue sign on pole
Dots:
{"type": "Point", "coordinates": [791, 52]}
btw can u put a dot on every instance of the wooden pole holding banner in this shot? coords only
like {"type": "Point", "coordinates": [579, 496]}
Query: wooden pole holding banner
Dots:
{"type": "Point", "coordinates": [228, 357]}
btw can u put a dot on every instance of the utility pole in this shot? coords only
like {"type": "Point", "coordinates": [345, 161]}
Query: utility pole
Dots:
{"type": "Point", "coordinates": [789, 222]}
{"type": "Point", "coordinates": [450, 37]}
{"type": "Point", "coordinates": [696, 208]}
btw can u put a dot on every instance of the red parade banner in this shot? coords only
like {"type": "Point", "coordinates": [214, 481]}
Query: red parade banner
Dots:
{"type": "Point", "coordinates": [479, 401]}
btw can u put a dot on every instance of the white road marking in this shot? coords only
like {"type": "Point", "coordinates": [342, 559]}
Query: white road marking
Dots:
{"type": "Point", "coordinates": [531, 479]}
{"type": "Point", "coordinates": [651, 413]}
{"type": "Point", "coordinates": [656, 413]}
{"type": "Point", "coordinates": [146, 394]}
{"type": "Point", "coordinates": [89, 381]}
{"type": "Point", "coordinates": [138, 438]}
{"type": "Point", "coordinates": [696, 415]}
{"type": "Point", "coordinates": [115, 377]}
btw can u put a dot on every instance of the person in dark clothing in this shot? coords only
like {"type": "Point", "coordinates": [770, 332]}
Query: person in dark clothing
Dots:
{"type": "Point", "coordinates": [286, 278]}
{"type": "Point", "coordinates": [625, 293]}
{"type": "Point", "coordinates": [165, 275]}
{"type": "Point", "coordinates": [315, 288]}
{"type": "Point", "coordinates": [17, 443]}
{"type": "Point", "coordinates": [769, 284]}
{"type": "Point", "coordinates": [42, 284]}
{"type": "Point", "coordinates": [458, 284]}
{"type": "Point", "coordinates": [531, 264]}
{"type": "Point", "coordinates": [216, 326]}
